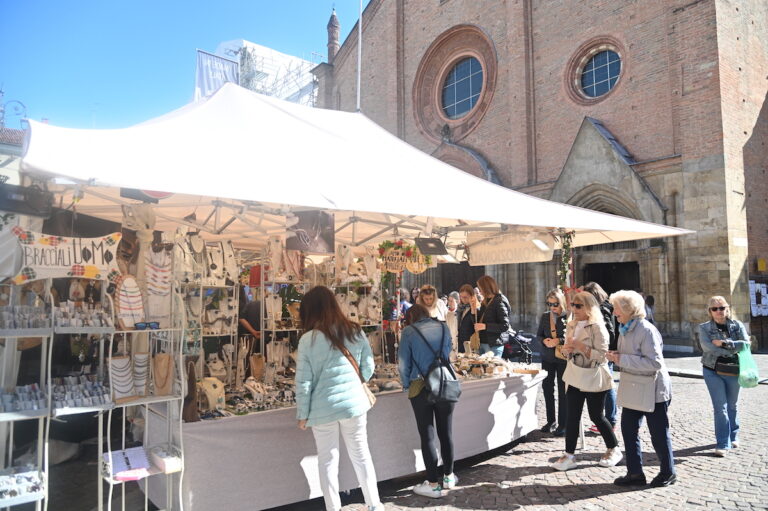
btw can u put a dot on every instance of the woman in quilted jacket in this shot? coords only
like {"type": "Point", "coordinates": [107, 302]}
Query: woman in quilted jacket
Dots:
{"type": "Point", "coordinates": [329, 395]}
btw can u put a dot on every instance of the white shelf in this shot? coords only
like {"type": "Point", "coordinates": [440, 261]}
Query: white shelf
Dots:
{"type": "Point", "coordinates": [22, 499]}
{"type": "Point", "coordinates": [148, 330]}
{"type": "Point", "coordinates": [86, 330]}
{"type": "Point", "coordinates": [146, 400]}
{"type": "Point", "coordinates": [153, 470]}
{"type": "Point", "coordinates": [73, 410]}
{"type": "Point", "coordinates": [26, 332]}
{"type": "Point", "coordinates": [23, 415]}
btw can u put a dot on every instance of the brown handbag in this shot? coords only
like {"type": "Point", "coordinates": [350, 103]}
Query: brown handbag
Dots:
{"type": "Point", "coordinates": [474, 339]}
{"type": "Point", "coordinates": [257, 366]}
{"type": "Point", "coordinates": [190, 413]}
{"type": "Point", "coordinates": [366, 389]}
{"type": "Point", "coordinates": [553, 333]}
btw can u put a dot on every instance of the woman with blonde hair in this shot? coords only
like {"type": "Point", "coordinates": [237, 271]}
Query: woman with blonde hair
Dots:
{"type": "Point", "coordinates": [551, 334]}
{"type": "Point", "coordinates": [428, 298]}
{"type": "Point", "coordinates": [587, 378]}
{"type": "Point", "coordinates": [640, 358]}
{"type": "Point", "coordinates": [493, 317]}
{"type": "Point", "coordinates": [721, 338]}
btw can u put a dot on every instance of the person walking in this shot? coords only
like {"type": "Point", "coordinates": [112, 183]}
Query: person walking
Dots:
{"type": "Point", "coordinates": [639, 355]}
{"type": "Point", "coordinates": [721, 338]}
{"type": "Point", "coordinates": [606, 309]}
{"type": "Point", "coordinates": [493, 322]}
{"type": "Point", "coordinates": [421, 339]}
{"type": "Point", "coordinates": [333, 357]}
{"type": "Point", "coordinates": [587, 379]}
{"type": "Point", "coordinates": [551, 334]}
{"type": "Point", "coordinates": [466, 315]}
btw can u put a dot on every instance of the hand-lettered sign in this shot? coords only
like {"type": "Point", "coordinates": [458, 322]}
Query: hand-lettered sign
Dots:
{"type": "Point", "coordinates": [45, 256]}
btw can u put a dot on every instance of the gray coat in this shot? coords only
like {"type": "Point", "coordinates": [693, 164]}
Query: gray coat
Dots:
{"type": "Point", "coordinates": [641, 353]}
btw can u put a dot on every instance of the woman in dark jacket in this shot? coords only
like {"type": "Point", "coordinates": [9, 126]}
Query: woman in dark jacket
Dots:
{"type": "Point", "coordinates": [493, 317]}
{"type": "Point", "coordinates": [551, 333]}
{"type": "Point", "coordinates": [466, 315]}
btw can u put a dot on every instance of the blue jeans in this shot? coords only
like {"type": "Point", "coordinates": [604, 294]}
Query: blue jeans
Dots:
{"type": "Point", "coordinates": [497, 350]}
{"type": "Point", "coordinates": [724, 392]}
{"type": "Point", "coordinates": [610, 400]}
{"type": "Point", "coordinates": [658, 425]}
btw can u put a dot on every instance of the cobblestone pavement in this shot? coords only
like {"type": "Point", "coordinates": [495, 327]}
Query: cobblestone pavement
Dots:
{"type": "Point", "coordinates": [520, 478]}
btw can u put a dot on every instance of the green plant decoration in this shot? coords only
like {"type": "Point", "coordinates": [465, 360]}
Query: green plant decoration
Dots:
{"type": "Point", "coordinates": [564, 264]}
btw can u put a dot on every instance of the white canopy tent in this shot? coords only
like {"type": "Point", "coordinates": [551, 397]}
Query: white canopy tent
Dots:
{"type": "Point", "coordinates": [239, 161]}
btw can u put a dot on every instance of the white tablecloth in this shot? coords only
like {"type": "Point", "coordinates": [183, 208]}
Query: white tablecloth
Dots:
{"type": "Point", "coordinates": [263, 460]}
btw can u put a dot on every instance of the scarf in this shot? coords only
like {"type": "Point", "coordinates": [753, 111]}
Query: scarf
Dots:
{"type": "Point", "coordinates": [625, 328]}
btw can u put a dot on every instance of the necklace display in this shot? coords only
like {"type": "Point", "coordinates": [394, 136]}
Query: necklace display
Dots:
{"type": "Point", "coordinates": [128, 302]}
{"type": "Point", "coordinates": [141, 373]}
{"type": "Point", "coordinates": [121, 379]}
{"type": "Point", "coordinates": [163, 374]}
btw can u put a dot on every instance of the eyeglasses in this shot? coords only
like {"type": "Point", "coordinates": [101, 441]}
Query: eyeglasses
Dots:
{"type": "Point", "coordinates": [151, 325]}
{"type": "Point", "coordinates": [553, 304]}
{"type": "Point", "coordinates": [577, 305]}
{"type": "Point", "coordinates": [713, 309]}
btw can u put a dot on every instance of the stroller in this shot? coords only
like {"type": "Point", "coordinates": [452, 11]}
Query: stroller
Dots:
{"type": "Point", "coordinates": [518, 347]}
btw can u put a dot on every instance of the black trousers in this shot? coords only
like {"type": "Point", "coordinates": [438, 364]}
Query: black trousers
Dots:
{"type": "Point", "coordinates": [431, 418]}
{"type": "Point", "coordinates": [596, 408]}
{"type": "Point", "coordinates": [658, 425]}
{"type": "Point", "coordinates": [555, 371]}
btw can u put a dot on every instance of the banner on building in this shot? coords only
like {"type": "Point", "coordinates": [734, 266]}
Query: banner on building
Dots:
{"type": "Point", "coordinates": [213, 72]}
{"type": "Point", "coordinates": [487, 248]}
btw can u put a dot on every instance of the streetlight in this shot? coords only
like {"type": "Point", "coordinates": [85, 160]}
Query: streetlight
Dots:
{"type": "Point", "coordinates": [18, 108]}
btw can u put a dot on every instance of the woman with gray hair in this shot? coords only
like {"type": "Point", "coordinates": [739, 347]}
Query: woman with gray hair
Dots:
{"type": "Point", "coordinates": [721, 338]}
{"type": "Point", "coordinates": [643, 373]}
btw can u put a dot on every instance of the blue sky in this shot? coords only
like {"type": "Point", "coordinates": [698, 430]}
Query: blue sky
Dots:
{"type": "Point", "coordinates": [114, 63]}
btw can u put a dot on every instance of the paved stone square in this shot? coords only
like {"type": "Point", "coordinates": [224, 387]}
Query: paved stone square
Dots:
{"type": "Point", "coordinates": [521, 479]}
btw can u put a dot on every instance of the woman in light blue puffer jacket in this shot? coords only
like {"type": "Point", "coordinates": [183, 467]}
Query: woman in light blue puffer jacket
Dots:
{"type": "Point", "coordinates": [329, 395]}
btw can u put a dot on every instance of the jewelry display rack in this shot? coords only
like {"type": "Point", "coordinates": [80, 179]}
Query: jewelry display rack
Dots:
{"type": "Point", "coordinates": [30, 484]}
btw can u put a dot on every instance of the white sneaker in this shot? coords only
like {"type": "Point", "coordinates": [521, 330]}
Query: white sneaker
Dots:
{"type": "Point", "coordinates": [720, 453]}
{"type": "Point", "coordinates": [735, 444]}
{"type": "Point", "coordinates": [611, 457]}
{"type": "Point", "coordinates": [450, 481]}
{"type": "Point", "coordinates": [426, 489]}
{"type": "Point", "coordinates": [566, 462]}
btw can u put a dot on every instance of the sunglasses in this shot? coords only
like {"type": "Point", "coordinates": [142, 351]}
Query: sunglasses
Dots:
{"type": "Point", "coordinates": [150, 325]}
{"type": "Point", "coordinates": [577, 305]}
{"type": "Point", "coordinates": [713, 309]}
{"type": "Point", "coordinates": [159, 247]}
{"type": "Point", "coordinates": [553, 304]}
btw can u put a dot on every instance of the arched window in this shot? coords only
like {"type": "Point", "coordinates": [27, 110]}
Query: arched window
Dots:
{"type": "Point", "coordinates": [600, 73]}
{"type": "Point", "coordinates": [462, 87]}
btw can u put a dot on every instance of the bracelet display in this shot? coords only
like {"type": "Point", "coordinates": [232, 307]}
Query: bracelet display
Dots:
{"type": "Point", "coordinates": [73, 391]}
{"type": "Point", "coordinates": [15, 485]}
{"type": "Point", "coordinates": [23, 398]}
{"type": "Point", "coordinates": [23, 316]}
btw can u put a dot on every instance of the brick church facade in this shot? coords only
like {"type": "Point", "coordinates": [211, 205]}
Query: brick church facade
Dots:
{"type": "Point", "coordinates": [653, 110]}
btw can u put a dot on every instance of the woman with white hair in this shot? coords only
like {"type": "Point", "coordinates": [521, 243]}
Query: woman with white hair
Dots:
{"type": "Point", "coordinates": [721, 338]}
{"type": "Point", "coordinates": [643, 375]}
{"type": "Point", "coordinates": [588, 379]}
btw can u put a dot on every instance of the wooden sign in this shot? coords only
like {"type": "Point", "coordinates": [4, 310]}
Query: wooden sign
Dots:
{"type": "Point", "coordinates": [45, 256]}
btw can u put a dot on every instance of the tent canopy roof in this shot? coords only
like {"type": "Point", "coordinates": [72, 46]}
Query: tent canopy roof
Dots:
{"type": "Point", "coordinates": [244, 159]}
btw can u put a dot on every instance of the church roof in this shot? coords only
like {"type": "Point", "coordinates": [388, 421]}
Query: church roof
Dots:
{"type": "Point", "coordinates": [620, 149]}
{"type": "Point", "coordinates": [11, 136]}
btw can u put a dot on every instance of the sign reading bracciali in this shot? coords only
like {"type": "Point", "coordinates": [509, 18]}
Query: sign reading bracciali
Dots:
{"type": "Point", "coordinates": [45, 256]}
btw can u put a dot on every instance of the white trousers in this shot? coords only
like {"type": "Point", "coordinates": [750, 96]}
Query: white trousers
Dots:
{"type": "Point", "coordinates": [355, 436]}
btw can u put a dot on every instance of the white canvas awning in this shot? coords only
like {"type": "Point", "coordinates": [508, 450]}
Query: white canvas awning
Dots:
{"type": "Point", "coordinates": [240, 159]}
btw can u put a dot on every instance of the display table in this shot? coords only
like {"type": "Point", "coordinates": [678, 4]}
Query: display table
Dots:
{"type": "Point", "coordinates": [263, 460]}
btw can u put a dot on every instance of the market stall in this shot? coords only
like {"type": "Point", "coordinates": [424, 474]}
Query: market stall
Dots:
{"type": "Point", "coordinates": [294, 193]}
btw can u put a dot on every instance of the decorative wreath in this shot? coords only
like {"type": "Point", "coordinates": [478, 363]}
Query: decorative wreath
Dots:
{"type": "Point", "coordinates": [402, 246]}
